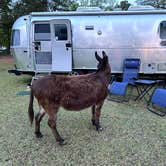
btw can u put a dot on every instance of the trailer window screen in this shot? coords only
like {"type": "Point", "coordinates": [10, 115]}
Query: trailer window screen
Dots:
{"type": "Point", "coordinates": [163, 30]}
{"type": "Point", "coordinates": [15, 39]}
{"type": "Point", "coordinates": [60, 31]}
{"type": "Point", "coordinates": [42, 28]}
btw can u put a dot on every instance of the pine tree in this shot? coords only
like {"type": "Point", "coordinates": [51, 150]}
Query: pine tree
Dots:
{"type": "Point", "coordinates": [66, 5]}
{"type": "Point", "coordinates": [6, 21]}
{"type": "Point", "coordinates": [10, 11]}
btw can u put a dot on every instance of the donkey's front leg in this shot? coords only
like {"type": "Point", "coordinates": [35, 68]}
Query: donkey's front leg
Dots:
{"type": "Point", "coordinates": [52, 124]}
{"type": "Point", "coordinates": [97, 116]}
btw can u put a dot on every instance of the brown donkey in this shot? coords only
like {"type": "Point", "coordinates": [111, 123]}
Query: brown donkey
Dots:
{"type": "Point", "coordinates": [72, 93]}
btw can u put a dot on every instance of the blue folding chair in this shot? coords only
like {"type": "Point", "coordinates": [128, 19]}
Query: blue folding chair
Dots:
{"type": "Point", "coordinates": [117, 90]}
{"type": "Point", "coordinates": [157, 102]}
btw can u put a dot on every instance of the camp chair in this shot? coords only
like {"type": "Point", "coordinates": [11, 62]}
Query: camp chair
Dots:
{"type": "Point", "coordinates": [117, 90]}
{"type": "Point", "coordinates": [157, 102]}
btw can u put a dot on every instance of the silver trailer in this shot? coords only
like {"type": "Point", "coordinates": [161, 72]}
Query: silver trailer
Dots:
{"type": "Point", "coordinates": [62, 42]}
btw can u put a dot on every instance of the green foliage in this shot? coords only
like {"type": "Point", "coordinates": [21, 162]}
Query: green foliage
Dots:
{"type": "Point", "coordinates": [98, 3]}
{"type": "Point", "coordinates": [124, 5]}
{"type": "Point", "coordinates": [6, 22]}
{"type": "Point", "coordinates": [109, 8]}
{"type": "Point", "coordinates": [104, 4]}
{"type": "Point", "coordinates": [154, 3]}
{"type": "Point", "coordinates": [25, 7]}
{"type": "Point", "coordinates": [10, 11]}
{"type": "Point", "coordinates": [66, 5]}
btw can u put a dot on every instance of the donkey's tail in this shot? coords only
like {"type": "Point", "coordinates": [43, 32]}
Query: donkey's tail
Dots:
{"type": "Point", "coordinates": [30, 108]}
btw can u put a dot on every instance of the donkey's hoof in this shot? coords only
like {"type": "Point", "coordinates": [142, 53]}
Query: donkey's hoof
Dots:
{"type": "Point", "coordinates": [93, 122]}
{"type": "Point", "coordinates": [62, 142]}
{"type": "Point", "coordinates": [38, 134]}
{"type": "Point", "coordinates": [99, 129]}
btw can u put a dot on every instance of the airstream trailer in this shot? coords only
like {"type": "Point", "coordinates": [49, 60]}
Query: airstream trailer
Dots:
{"type": "Point", "coordinates": [62, 42]}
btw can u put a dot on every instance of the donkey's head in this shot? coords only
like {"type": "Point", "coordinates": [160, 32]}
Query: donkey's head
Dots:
{"type": "Point", "coordinates": [103, 64]}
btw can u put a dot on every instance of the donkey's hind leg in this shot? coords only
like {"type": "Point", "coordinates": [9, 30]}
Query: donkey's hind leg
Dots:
{"type": "Point", "coordinates": [93, 115]}
{"type": "Point", "coordinates": [52, 124]}
{"type": "Point", "coordinates": [97, 116]}
{"type": "Point", "coordinates": [38, 119]}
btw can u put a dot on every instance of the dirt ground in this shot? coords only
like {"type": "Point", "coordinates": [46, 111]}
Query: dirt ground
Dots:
{"type": "Point", "coordinates": [6, 59]}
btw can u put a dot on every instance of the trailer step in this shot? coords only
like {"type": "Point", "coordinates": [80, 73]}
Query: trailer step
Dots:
{"type": "Point", "coordinates": [38, 75]}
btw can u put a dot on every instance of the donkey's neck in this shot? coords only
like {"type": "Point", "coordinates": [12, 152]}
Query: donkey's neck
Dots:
{"type": "Point", "coordinates": [104, 77]}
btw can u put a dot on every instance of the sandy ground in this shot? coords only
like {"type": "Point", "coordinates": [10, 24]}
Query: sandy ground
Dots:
{"type": "Point", "coordinates": [6, 59]}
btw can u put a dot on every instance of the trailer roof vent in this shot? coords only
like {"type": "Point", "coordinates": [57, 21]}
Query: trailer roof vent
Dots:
{"type": "Point", "coordinates": [88, 9]}
{"type": "Point", "coordinates": [140, 8]}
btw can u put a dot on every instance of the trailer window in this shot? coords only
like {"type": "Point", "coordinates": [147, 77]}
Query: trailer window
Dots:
{"type": "Point", "coordinates": [163, 30]}
{"type": "Point", "coordinates": [15, 38]}
{"type": "Point", "coordinates": [42, 28]}
{"type": "Point", "coordinates": [60, 31]}
{"type": "Point", "coordinates": [42, 32]}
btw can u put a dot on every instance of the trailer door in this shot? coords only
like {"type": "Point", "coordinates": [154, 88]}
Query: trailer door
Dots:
{"type": "Point", "coordinates": [61, 45]}
{"type": "Point", "coordinates": [41, 46]}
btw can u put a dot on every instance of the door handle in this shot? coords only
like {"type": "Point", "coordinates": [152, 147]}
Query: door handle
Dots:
{"type": "Point", "coordinates": [37, 45]}
{"type": "Point", "coordinates": [68, 45]}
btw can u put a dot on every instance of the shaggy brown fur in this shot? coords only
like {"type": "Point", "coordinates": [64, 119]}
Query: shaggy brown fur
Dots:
{"type": "Point", "coordinates": [72, 93]}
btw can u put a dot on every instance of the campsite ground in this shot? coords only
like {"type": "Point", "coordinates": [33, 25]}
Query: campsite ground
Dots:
{"type": "Point", "coordinates": [6, 59]}
{"type": "Point", "coordinates": [131, 136]}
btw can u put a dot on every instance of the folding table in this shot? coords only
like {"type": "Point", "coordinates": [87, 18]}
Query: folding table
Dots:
{"type": "Point", "coordinates": [144, 87]}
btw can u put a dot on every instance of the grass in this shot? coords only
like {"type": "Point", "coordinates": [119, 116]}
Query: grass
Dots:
{"type": "Point", "coordinates": [131, 136]}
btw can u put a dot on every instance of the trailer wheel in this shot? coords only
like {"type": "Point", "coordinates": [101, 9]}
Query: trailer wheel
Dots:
{"type": "Point", "coordinates": [74, 73]}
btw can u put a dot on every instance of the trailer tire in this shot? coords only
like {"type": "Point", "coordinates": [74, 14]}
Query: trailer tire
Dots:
{"type": "Point", "coordinates": [74, 73]}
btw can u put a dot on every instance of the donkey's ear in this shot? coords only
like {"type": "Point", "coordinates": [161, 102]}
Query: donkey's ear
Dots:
{"type": "Point", "coordinates": [104, 54]}
{"type": "Point", "coordinates": [105, 57]}
{"type": "Point", "coordinates": [97, 56]}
